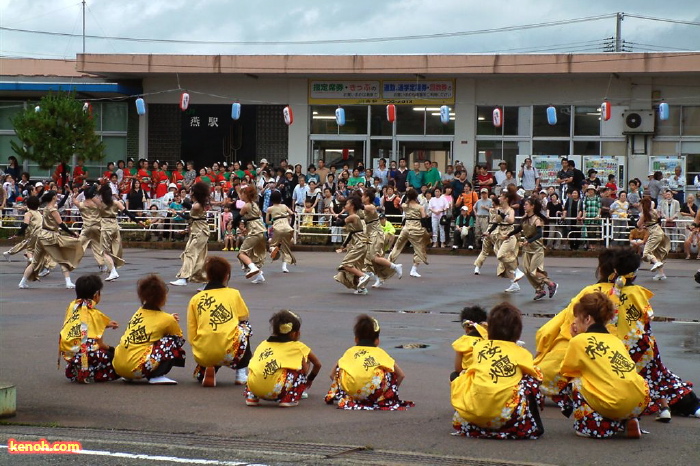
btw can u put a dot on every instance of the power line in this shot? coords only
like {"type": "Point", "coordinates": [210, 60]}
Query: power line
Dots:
{"type": "Point", "coordinates": [324, 41]}
{"type": "Point", "coordinates": [665, 20]}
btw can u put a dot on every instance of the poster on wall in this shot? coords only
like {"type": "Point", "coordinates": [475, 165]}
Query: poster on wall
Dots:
{"type": "Point", "coordinates": [339, 91]}
{"type": "Point", "coordinates": [666, 164]}
{"type": "Point", "coordinates": [548, 166]}
{"type": "Point", "coordinates": [605, 166]}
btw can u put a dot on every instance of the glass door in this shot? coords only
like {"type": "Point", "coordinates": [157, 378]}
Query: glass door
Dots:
{"type": "Point", "coordinates": [338, 152]}
{"type": "Point", "coordinates": [420, 150]}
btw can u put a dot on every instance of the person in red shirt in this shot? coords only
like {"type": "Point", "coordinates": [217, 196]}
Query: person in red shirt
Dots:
{"type": "Point", "coordinates": [107, 174]}
{"type": "Point", "coordinates": [485, 179]}
{"type": "Point", "coordinates": [144, 176]}
{"type": "Point", "coordinates": [61, 174]}
{"type": "Point", "coordinates": [79, 174]}
{"type": "Point", "coordinates": [612, 185]}
{"type": "Point", "coordinates": [160, 180]}
{"type": "Point", "coordinates": [179, 175]}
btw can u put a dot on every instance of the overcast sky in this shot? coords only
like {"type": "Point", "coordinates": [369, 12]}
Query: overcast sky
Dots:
{"type": "Point", "coordinates": [319, 20]}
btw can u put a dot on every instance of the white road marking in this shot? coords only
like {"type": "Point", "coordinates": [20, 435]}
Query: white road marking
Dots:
{"type": "Point", "coordinates": [172, 459]}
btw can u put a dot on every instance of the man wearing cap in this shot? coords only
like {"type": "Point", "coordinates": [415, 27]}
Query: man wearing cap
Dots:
{"type": "Point", "coordinates": [500, 174]}
{"type": "Point", "coordinates": [481, 212]}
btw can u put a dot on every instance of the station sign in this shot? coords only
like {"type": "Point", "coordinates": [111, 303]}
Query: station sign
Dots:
{"type": "Point", "coordinates": [426, 92]}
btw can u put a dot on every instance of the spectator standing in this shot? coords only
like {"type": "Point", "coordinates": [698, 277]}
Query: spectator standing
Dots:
{"type": "Point", "coordinates": [414, 179]}
{"type": "Point", "coordinates": [500, 174]}
{"type": "Point", "coordinates": [322, 170]}
{"type": "Point", "coordinates": [481, 214]}
{"type": "Point", "coordinates": [676, 183]}
{"type": "Point", "coordinates": [529, 177]}
{"type": "Point", "coordinates": [431, 176]}
{"type": "Point", "coordinates": [590, 214]}
{"type": "Point", "coordinates": [299, 195]}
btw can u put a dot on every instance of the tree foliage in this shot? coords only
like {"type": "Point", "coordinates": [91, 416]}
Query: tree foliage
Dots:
{"type": "Point", "coordinates": [56, 131]}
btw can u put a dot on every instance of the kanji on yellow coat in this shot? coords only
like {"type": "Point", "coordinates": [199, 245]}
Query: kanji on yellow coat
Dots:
{"type": "Point", "coordinates": [358, 370]}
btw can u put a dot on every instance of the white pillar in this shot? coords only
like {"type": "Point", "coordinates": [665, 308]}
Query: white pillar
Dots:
{"type": "Point", "coordinates": [465, 122]}
{"type": "Point", "coordinates": [298, 142]}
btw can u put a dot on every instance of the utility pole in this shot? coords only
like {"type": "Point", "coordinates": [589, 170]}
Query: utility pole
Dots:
{"type": "Point", "coordinates": [618, 31]}
{"type": "Point", "coordinates": [84, 26]}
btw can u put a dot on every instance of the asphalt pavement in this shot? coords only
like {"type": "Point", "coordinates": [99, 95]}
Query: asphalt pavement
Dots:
{"type": "Point", "coordinates": [190, 422]}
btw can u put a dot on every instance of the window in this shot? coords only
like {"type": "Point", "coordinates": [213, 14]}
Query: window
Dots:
{"type": "Point", "coordinates": [323, 120]}
{"type": "Point", "coordinates": [587, 122]}
{"type": "Point", "coordinates": [379, 125]}
{"type": "Point", "coordinates": [540, 126]}
{"type": "Point", "coordinates": [550, 148]}
{"type": "Point", "coordinates": [410, 119]}
{"type": "Point", "coordinates": [586, 147]}
{"type": "Point", "coordinates": [672, 126]}
{"type": "Point", "coordinates": [516, 121]}
{"type": "Point", "coordinates": [691, 121]}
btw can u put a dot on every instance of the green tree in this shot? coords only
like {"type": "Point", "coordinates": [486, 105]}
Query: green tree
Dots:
{"type": "Point", "coordinates": [56, 131]}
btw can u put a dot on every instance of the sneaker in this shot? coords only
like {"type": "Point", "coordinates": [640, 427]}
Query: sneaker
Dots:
{"type": "Point", "coordinates": [399, 271]}
{"type": "Point", "coordinates": [539, 295]}
{"type": "Point", "coordinates": [664, 416]}
{"type": "Point", "coordinates": [659, 276]}
{"type": "Point", "coordinates": [209, 379]}
{"type": "Point", "coordinates": [361, 291]}
{"type": "Point", "coordinates": [113, 275]}
{"type": "Point", "coordinates": [259, 278]}
{"type": "Point", "coordinates": [552, 289]}
{"type": "Point", "coordinates": [477, 270]}
{"type": "Point", "coordinates": [252, 401]}
{"type": "Point", "coordinates": [513, 288]}
{"type": "Point", "coordinates": [23, 284]}
{"type": "Point", "coordinates": [253, 270]}
{"type": "Point", "coordinates": [284, 268]}
{"type": "Point", "coordinates": [6, 255]}
{"type": "Point", "coordinates": [363, 281]}
{"type": "Point", "coordinates": [103, 268]}
{"type": "Point", "coordinates": [414, 272]}
{"type": "Point", "coordinates": [44, 272]}
{"type": "Point", "coordinates": [162, 380]}
{"type": "Point", "coordinates": [241, 376]}
{"type": "Point", "coordinates": [275, 253]}
{"type": "Point", "coordinates": [454, 248]}
{"type": "Point", "coordinates": [518, 275]}
{"type": "Point", "coordinates": [69, 284]}
{"type": "Point", "coordinates": [289, 404]}
{"type": "Point", "coordinates": [470, 247]}
{"type": "Point", "coordinates": [224, 249]}
{"type": "Point", "coordinates": [179, 282]}
{"type": "Point", "coordinates": [632, 429]}
{"type": "Point", "coordinates": [379, 283]}
{"type": "Point", "coordinates": [656, 266]}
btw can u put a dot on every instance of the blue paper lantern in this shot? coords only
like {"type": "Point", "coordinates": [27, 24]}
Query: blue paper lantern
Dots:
{"type": "Point", "coordinates": [235, 111]}
{"type": "Point", "coordinates": [140, 106]}
{"type": "Point", "coordinates": [664, 111]}
{"type": "Point", "coordinates": [340, 116]}
{"type": "Point", "coordinates": [445, 114]}
{"type": "Point", "coordinates": [552, 115]}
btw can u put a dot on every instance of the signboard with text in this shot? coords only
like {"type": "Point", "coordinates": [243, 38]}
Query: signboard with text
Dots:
{"type": "Point", "coordinates": [424, 92]}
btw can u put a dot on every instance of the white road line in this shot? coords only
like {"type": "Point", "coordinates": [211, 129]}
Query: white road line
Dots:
{"type": "Point", "coordinates": [172, 459]}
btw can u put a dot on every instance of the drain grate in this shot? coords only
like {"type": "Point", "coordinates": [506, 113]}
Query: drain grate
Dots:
{"type": "Point", "coordinates": [298, 453]}
{"type": "Point", "coordinates": [412, 346]}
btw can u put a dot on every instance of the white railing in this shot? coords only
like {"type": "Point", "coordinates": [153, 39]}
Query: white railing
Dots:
{"type": "Point", "coordinates": [319, 228]}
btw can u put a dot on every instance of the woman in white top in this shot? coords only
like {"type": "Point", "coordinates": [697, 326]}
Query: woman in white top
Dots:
{"type": "Point", "coordinates": [438, 205]}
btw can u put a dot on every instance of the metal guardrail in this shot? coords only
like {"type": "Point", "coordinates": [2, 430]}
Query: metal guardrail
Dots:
{"type": "Point", "coordinates": [312, 228]}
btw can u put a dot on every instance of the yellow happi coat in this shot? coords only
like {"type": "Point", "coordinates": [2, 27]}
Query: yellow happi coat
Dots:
{"type": "Point", "coordinates": [465, 345]}
{"type": "Point", "coordinates": [80, 319]}
{"type": "Point", "coordinates": [212, 324]}
{"type": "Point", "coordinates": [609, 381]}
{"type": "Point", "coordinates": [267, 366]}
{"type": "Point", "coordinates": [486, 394]}
{"type": "Point", "coordinates": [362, 369]}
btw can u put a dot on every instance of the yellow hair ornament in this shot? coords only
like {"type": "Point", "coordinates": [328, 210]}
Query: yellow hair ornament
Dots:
{"type": "Point", "coordinates": [286, 328]}
{"type": "Point", "coordinates": [375, 323]}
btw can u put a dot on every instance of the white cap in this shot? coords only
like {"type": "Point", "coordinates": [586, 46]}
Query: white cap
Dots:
{"type": "Point", "coordinates": [172, 185]}
{"type": "Point", "coordinates": [39, 184]}
{"type": "Point", "coordinates": [263, 160]}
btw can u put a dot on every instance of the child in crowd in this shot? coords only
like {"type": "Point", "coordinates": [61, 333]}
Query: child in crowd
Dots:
{"type": "Point", "coordinates": [366, 377]}
{"type": "Point", "coordinates": [217, 326]}
{"type": "Point", "coordinates": [612, 185]}
{"type": "Point", "coordinates": [498, 396]}
{"type": "Point", "coordinates": [88, 358]}
{"type": "Point", "coordinates": [605, 393]}
{"type": "Point", "coordinates": [473, 320]}
{"type": "Point", "coordinates": [307, 214]}
{"type": "Point", "coordinates": [229, 237]}
{"type": "Point", "coordinates": [279, 369]}
{"type": "Point", "coordinates": [152, 343]}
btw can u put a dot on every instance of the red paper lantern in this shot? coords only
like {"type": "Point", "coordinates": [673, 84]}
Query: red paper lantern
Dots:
{"type": "Point", "coordinates": [288, 115]}
{"type": "Point", "coordinates": [346, 154]}
{"type": "Point", "coordinates": [605, 110]}
{"type": "Point", "coordinates": [184, 101]}
{"type": "Point", "coordinates": [497, 117]}
{"type": "Point", "coordinates": [391, 113]}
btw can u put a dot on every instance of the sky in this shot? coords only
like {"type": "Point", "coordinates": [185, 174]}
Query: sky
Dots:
{"type": "Point", "coordinates": [326, 20]}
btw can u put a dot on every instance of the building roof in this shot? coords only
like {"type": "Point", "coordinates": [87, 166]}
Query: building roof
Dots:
{"type": "Point", "coordinates": [134, 65]}
{"type": "Point", "coordinates": [30, 67]}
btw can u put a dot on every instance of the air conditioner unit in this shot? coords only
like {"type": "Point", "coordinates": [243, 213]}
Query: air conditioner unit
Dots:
{"type": "Point", "coordinates": [638, 122]}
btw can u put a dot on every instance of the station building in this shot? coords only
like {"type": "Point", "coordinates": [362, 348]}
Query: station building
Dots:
{"type": "Point", "coordinates": [632, 142]}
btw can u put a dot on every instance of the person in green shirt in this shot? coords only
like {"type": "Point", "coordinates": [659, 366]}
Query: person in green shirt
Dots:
{"type": "Point", "coordinates": [237, 170]}
{"type": "Point", "coordinates": [355, 179]}
{"type": "Point", "coordinates": [415, 177]}
{"type": "Point", "coordinates": [431, 176]}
